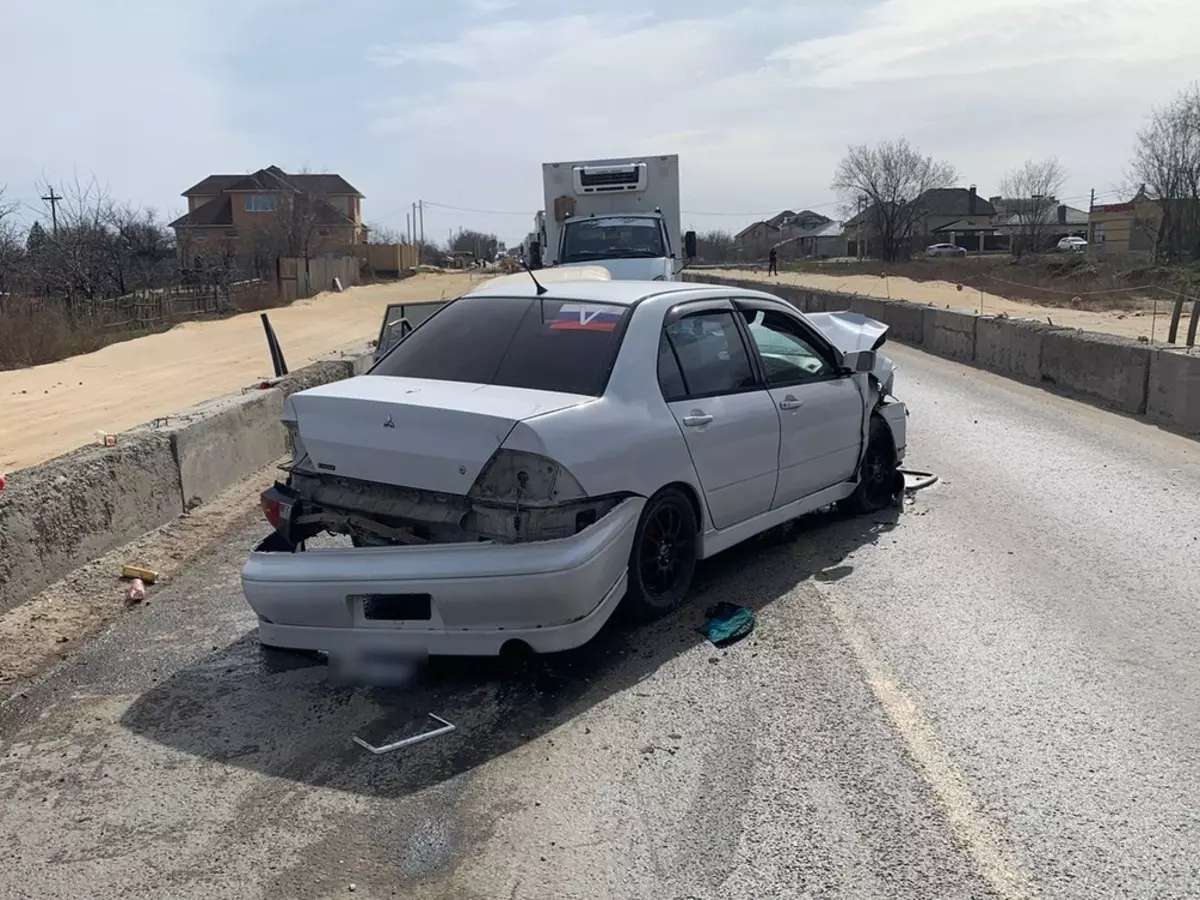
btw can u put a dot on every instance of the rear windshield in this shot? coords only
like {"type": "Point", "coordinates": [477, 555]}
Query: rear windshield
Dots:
{"type": "Point", "coordinates": [539, 343]}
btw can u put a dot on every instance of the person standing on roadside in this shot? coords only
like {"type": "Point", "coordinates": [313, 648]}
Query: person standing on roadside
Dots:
{"type": "Point", "coordinates": [772, 263]}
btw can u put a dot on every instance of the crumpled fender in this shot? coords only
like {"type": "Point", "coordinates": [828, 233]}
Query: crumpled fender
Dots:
{"type": "Point", "coordinates": [851, 331]}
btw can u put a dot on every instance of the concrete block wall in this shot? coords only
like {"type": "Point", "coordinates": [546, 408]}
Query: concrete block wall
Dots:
{"type": "Point", "coordinates": [56, 516]}
{"type": "Point", "coordinates": [1161, 384]}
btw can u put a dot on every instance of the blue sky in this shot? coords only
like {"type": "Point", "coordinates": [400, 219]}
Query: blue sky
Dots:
{"type": "Point", "coordinates": [458, 102]}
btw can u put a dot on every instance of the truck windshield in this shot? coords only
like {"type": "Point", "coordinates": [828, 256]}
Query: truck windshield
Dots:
{"type": "Point", "coordinates": [612, 237]}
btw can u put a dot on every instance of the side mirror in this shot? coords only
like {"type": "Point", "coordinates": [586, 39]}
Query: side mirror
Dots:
{"type": "Point", "coordinates": [859, 361]}
{"type": "Point", "coordinates": [535, 254]}
{"type": "Point", "coordinates": [689, 245]}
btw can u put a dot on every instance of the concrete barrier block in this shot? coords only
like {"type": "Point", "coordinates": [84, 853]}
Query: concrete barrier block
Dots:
{"type": "Point", "coordinates": [314, 375]}
{"type": "Point", "coordinates": [793, 295]}
{"type": "Point", "coordinates": [56, 516]}
{"type": "Point", "coordinates": [1173, 390]}
{"type": "Point", "coordinates": [222, 441]}
{"type": "Point", "coordinates": [905, 321]}
{"type": "Point", "coordinates": [949, 333]}
{"type": "Point", "coordinates": [1112, 370]}
{"type": "Point", "coordinates": [1011, 347]}
{"type": "Point", "coordinates": [871, 307]}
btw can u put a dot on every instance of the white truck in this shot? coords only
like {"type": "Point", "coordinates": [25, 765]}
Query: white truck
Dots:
{"type": "Point", "coordinates": [622, 214]}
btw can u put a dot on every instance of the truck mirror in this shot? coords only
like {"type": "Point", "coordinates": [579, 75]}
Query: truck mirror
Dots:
{"type": "Point", "coordinates": [689, 245]}
{"type": "Point", "coordinates": [535, 254]}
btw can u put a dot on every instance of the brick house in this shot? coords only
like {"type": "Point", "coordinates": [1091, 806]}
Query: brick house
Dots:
{"type": "Point", "coordinates": [268, 214]}
{"type": "Point", "coordinates": [943, 215]}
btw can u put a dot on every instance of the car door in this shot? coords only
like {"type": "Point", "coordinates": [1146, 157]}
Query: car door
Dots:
{"type": "Point", "coordinates": [820, 406]}
{"type": "Point", "coordinates": [727, 417]}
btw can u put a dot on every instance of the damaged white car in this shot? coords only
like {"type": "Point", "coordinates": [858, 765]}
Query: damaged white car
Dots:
{"type": "Point", "coordinates": [530, 458]}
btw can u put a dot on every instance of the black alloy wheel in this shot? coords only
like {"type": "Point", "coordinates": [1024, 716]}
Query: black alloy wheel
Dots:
{"type": "Point", "coordinates": [663, 558]}
{"type": "Point", "coordinates": [877, 474]}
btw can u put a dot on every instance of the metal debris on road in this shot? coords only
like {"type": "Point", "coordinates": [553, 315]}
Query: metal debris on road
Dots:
{"type": "Point", "coordinates": [148, 576]}
{"type": "Point", "coordinates": [727, 623]}
{"type": "Point", "coordinates": [915, 481]}
{"type": "Point", "coordinates": [408, 742]}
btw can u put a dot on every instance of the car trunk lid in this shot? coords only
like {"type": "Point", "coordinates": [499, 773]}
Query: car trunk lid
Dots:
{"type": "Point", "coordinates": [413, 432]}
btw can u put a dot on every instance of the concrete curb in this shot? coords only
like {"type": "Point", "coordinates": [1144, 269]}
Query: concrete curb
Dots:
{"type": "Point", "coordinates": [1160, 384]}
{"type": "Point", "coordinates": [58, 515]}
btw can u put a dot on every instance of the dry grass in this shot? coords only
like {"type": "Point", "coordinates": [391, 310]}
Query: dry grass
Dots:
{"type": "Point", "coordinates": [35, 331]}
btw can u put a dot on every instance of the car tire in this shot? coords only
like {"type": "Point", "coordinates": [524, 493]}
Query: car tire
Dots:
{"type": "Point", "coordinates": [662, 560]}
{"type": "Point", "coordinates": [877, 473]}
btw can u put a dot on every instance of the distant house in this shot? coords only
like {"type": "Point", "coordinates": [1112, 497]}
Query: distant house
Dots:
{"type": "Point", "coordinates": [1130, 227]}
{"type": "Point", "coordinates": [944, 215]}
{"type": "Point", "coordinates": [1015, 217]}
{"type": "Point", "coordinates": [756, 239]}
{"type": "Point", "coordinates": [795, 234]}
{"type": "Point", "coordinates": [267, 214]}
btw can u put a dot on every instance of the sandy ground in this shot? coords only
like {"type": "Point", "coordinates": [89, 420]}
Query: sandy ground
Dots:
{"type": "Point", "coordinates": [51, 409]}
{"type": "Point", "coordinates": [945, 294]}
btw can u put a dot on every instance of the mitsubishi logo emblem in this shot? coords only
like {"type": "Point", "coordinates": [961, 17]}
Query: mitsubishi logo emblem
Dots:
{"type": "Point", "coordinates": [388, 423]}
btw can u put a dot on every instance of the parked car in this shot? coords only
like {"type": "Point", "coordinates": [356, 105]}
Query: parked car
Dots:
{"type": "Point", "coordinates": [1072, 245]}
{"type": "Point", "coordinates": [528, 458]}
{"type": "Point", "coordinates": [945, 250]}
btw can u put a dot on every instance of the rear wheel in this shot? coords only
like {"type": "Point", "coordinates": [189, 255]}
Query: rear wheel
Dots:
{"type": "Point", "coordinates": [663, 559]}
{"type": "Point", "coordinates": [877, 474]}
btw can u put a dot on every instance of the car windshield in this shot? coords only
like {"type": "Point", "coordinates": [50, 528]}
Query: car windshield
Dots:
{"type": "Point", "coordinates": [540, 343]}
{"type": "Point", "coordinates": [612, 237]}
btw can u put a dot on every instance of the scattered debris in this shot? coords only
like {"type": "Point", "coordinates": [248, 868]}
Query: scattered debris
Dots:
{"type": "Point", "coordinates": [148, 576]}
{"type": "Point", "coordinates": [408, 742]}
{"type": "Point", "coordinates": [727, 623]}
{"type": "Point", "coordinates": [137, 592]}
{"type": "Point", "coordinates": [2, 482]}
{"type": "Point", "coordinates": [104, 439]}
{"type": "Point", "coordinates": [915, 481]}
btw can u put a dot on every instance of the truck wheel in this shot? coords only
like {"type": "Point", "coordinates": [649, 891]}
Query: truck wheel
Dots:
{"type": "Point", "coordinates": [877, 474]}
{"type": "Point", "coordinates": [663, 558]}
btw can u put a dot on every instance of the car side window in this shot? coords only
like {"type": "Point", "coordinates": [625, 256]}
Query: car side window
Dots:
{"type": "Point", "coordinates": [711, 354]}
{"type": "Point", "coordinates": [670, 378]}
{"type": "Point", "coordinates": [788, 356]}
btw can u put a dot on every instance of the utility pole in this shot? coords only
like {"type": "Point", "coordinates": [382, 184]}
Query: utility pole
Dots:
{"type": "Point", "coordinates": [408, 227]}
{"type": "Point", "coordinates": [1091, 209]}
{"type": "Point", "coordinates": [53, 199]}
{"type": "Point", "coordinates": [421, 209]}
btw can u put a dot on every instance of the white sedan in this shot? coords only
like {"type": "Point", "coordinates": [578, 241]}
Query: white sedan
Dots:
{"type": "Point", "coordinates": [1072, 244]}
{"type": "Point", "coordinates": [524, 462]}
{"type": "Point", "coordinates": [945, 250]}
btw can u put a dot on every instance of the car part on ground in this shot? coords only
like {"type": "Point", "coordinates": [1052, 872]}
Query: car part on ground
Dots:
{"type": "Point", "coordinates": [523, 461]}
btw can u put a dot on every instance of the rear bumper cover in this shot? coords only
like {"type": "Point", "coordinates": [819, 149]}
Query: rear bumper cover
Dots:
{"type": "Point", "coordinates": [552, 595]}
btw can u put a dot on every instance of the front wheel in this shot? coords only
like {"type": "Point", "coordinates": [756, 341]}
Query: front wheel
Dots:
{"type": "Point", "coordinates": [663, 558]}
{"type": "Point", "coordinates": [878, 473]}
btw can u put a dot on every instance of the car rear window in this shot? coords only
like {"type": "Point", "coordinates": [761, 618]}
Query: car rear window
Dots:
{"type": "Point", "coordinates": [539, 343]}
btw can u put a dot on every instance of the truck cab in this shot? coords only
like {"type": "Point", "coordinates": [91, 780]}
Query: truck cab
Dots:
{"type": "Point", "coordinates": [622, 214]}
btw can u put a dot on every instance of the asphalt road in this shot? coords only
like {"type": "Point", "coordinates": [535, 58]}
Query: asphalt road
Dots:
{"type": "Point", "coordinates": [991, 694]}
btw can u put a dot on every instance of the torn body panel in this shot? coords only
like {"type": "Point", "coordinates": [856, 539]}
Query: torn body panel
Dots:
{"type": "Point", "coordinates": [382, 515]}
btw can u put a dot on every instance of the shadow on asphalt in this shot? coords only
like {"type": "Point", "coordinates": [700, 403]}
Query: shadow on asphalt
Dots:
{"type": "Point", "coordinates": [236, 707]}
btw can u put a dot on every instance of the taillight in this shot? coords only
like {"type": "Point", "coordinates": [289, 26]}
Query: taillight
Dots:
{"type": "Point", "coordinates": [525, 479]}
{"type": "Point", "coordinates": [272, 509]}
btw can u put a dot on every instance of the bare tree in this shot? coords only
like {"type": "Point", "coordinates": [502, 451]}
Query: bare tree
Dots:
{"type": "Point", "coordinates": [1030, 192]}
{"type": "Point", "coordinates": [1167, 161]}
{"type": "Point", "coordinates": [894, 178]}
{"type": "Point", "coordinates": [478, 244]}
{"type": "Point", "coordinates": [384, 234]}
{"type": "Point", "coordinates": [12, 250]}
{"type": "Point", "coordinates": [715, 246]}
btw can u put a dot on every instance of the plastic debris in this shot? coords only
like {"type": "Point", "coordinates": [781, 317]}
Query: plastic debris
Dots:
{"type": "Point", "coordinates": [2, 482]}
{"type": "Point", "coordinates": [727, 623]}
{"type": "Point", "coordinates": [104, 439]}
{"type": "Point", "coordinates": [137, 591]}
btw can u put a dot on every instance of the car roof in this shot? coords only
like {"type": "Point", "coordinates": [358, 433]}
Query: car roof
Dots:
{"type": "Point", "coordinates": [625, 293]}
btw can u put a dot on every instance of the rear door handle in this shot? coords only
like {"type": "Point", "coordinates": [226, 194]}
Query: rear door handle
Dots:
{"type": "Point", "coordinates": [697, 419]}
{"type": "Point", "coordinates": [790, 402]}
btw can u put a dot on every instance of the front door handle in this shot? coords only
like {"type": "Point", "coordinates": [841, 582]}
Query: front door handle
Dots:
{"type": "Point", "coordinates": [697, 419]}
{"type": "Point", "coordinates": [790, 402]}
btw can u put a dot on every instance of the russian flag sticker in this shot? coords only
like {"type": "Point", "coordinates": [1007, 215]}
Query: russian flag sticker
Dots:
{"type": "Point", "coordinates": [581, 317]}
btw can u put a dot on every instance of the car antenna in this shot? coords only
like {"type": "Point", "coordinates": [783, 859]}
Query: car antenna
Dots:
{"type": "Point", "coordinates": [540, 290]}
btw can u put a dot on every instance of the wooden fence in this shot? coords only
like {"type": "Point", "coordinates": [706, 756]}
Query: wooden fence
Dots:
{"type": "Point", "coordinates": [299, 278]}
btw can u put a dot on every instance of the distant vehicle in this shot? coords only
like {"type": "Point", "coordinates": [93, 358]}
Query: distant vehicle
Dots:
{"type": "Point", "coordinates": [622, 214]}
{"type": "Point", "coordinates": [945, 250]}
{"type": "Point", "coordinates": [529, 457]}
{"type": "Point", "coordinates": [1072, 245]}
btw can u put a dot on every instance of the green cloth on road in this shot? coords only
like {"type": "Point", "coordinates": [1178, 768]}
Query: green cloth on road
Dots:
{"type": "Point", "coordinates": [727, 623]}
